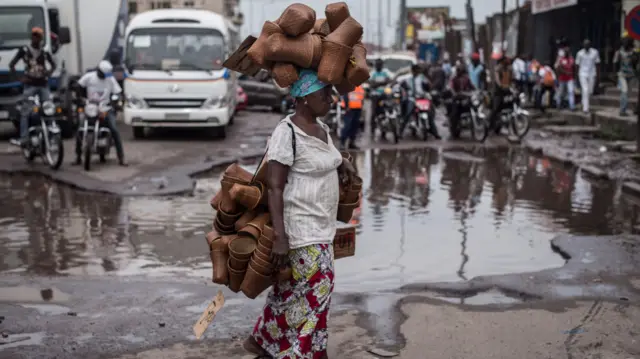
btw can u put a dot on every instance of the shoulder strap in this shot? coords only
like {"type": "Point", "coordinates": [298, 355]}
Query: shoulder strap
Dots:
{"type": "Point", "coordinates": [293, 142]}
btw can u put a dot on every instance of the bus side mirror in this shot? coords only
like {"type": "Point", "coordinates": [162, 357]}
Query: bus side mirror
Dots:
{"type": "Point", "coordinates": [64, 35]}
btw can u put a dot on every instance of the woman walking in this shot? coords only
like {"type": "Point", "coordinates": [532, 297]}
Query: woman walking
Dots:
{"type": "Point", "coordinates": [304, 172]}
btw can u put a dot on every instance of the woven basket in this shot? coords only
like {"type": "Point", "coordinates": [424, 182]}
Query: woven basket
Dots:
{"type": "Point", "coordinates": [336, 13]}
{"type": "Point", "coordinates": [254, 283]}
{"type": "Point", "coordinates": [242, 247]}
{"type": "Point", "coordinates": [244, 219]}
{"type": "Point", "coordinates": [236, 174]}
{"type": "Point", "coordinates": [345, 211]}
{"type": "Point", "coordinates": [297, 19]}
{"type": "Point", "coordinates": [359, 73]}
{"type": "Point", "coordinates": [257, 50]}
{"type": "Point", "coordinates": [345, 86]}
{"type": "Point", "coordinates": [284, 74]}
{"type": "Point", "coordinates": [321, 28]}
{"type": "Point", "coordinates": [296, 50]}
{"type": "Point", "coordinates": [215, 200]}
{"type": "Point", "coordinates": [334, 61]}
{"type": "Point", "coordinates": [235, 278]}
{"type": "Point", "coordinates": [348, 33]}
{"type": "Point", "coordinates": [247, 196]}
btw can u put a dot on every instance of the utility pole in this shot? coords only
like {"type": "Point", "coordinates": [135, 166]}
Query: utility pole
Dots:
{"type": "Point", "coordinates": [472, 26]}
{"type": "Point", "coordinates": [503, 24]}
{"type": "Point", "coordinates": [403, 24]}
{"type": "Point", "coordinates": [379, 25]}
{"type": "Point", "coordinates": [367, 21]}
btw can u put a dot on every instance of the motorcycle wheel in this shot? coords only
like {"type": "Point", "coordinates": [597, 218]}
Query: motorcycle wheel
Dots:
{"type": "Point", "coordinates": [479, 129]}
{"type": "Point", "coordinates": [454, 128]}
{"type": "Point", "coordinates": [55, 161]}
{"type": "Point", "coordinates": [393, 129]}
{"type": "Point", "coordinates": [103, 156]}
{"type": "Point", "coordinates": [523, 129]}
{"type": "Point", "coordinates": [87, 152]}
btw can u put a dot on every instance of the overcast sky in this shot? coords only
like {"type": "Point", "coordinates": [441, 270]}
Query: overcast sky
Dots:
{"type": "Point", "coordinates": [258, 11]}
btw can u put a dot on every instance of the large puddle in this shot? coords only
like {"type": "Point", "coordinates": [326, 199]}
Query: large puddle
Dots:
{"type": "Point", "coordinates": [426, 216]}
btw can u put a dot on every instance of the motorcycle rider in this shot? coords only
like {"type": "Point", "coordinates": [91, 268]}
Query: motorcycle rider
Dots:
{"type": "Point", "coordinates": [100, 84]}
{"type": "Point", "coordinates": [379, 78]}
{"type": "Point", "coordinates": [502, 77]}
{"type": "Point", "coordinates": [460, 86]}
{"type": "Point", "coordinates": [477, 73]}
{"type": "Point", "coordinates": [36, 75]}
{"type": "Point", "coordinates": [416, 86]}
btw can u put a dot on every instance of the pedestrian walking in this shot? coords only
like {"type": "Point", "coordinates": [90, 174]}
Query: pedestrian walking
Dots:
{"type": "Point", "coordinates": [304, 173]}
{"type": "Point", "coordinates": [351, 124]}
{"type": "Point", "coordinates": [625, 61]}
{"type": "Point", "coordinates": [588, 60]}
{"type": "Point", "coordinates": [547, 85]}
{"type": "Point", "coordinates": [533, 78]}
{"type": "Point", "coordinates": [564, 66]}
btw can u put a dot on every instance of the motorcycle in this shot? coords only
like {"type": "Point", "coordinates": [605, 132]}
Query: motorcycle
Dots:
{"type": "Point", "coordinates": [470, 112]}
{"type": "Point", "coordinates": [424, 109]}
{"type": "Point", "coordinates": [334, 118]}
{"type": "Point", "coordinates": [44, 137]}
{"type": "Point", "coordinates": [93, 134]}
{"type": "Point", "coordinates": [387, 119]}
{"type": "Point", "coordinates": [513, 116]}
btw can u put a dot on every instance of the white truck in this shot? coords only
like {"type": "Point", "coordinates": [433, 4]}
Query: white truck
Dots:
{"type": "Point", "coordinates": [79, 33]}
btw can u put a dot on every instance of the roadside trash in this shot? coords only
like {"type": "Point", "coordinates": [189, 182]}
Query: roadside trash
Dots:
{"type": "Point", "coordinates": [72, 314]}
{"type": "Point", "coordinates": [297, 39]}
{"type": "Point", "coordinates": [161, 325]}
{"type": "Point", "coordinates": [5, 334]}
{"type": "Point", "coordinates": [208, 315]}
{"type": "Point", "coordinates": [242, 237]}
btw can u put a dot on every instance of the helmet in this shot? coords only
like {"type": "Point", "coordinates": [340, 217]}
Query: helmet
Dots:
{"type": "Point", "coordinates": [37, 31]}
{"type": "Point", "coordinates": [475, 56]}
{"type": "Point", "coordinates": [105, 67]}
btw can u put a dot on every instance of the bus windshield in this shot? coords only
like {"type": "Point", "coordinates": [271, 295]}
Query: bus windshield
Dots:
{"type": "Point", "coordinates": [16, 24]}
{"type": "Point", "coordinates": [175, 49]}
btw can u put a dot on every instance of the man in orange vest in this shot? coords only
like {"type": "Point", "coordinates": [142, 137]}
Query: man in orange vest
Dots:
{"type": "Point", "coordinates": [351, 119]}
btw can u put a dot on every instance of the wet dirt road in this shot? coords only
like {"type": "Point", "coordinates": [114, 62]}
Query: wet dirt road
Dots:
{"type": "Point", "coordinates": [427, 216]}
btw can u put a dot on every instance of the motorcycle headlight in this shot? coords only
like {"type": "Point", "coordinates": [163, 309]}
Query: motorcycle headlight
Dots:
{"type": "Point", "coordinates": [91, 110]}
{"type": "Point", "coordinates": [48, 108]}
{"type": "Point", "coordinates": [523, 98]}
{"type": "Point", "coordinates": [135, 102]}
{"type": "Point", "coordinates": [215, 102]}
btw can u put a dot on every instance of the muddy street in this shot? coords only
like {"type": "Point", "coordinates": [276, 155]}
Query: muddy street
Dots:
{"type": "Point", "coordinates": [467, 227]}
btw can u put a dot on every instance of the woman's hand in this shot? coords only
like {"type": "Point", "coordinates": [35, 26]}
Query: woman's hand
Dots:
{"type": "Point", "coordinates": [346, 172]}
{"type": "Point", "coordinates": [280, 251]}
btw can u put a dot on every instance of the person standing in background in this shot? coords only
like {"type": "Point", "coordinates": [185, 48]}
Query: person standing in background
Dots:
{"type": "Point", "coordinates": [477, 72]}
{"type": "Point", "coordinates": [354, 101]}
{"type": "Point", "coordinates": [519, 67]}
{"type": "Point", "coordinates": [588, 60]}
{"type": "Point", "coordinates": [533, 67]}
{"type": "Point", "coordinates": [547, 84]}
{"type": "Point", "coordinates": [565, 69]}
{"type": "Point", "coordinates": [625, 61]}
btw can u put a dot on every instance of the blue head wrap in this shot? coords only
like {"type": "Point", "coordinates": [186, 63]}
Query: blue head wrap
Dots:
{"type": "Point", "coordinates": [307, 83]}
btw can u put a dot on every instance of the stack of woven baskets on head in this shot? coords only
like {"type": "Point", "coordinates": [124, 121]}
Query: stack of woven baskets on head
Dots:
{"type": "Point", "coordinates": [242, 237]}
{"type": "Point", "coordinates": [332, 46]}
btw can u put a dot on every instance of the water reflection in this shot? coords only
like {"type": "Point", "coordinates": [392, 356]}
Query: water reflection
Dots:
{"type": "Point", "coordinates": [425, 217]}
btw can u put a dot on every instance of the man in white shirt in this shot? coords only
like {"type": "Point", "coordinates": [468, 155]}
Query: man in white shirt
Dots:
{"type": "Point", "coordinates": [588, 60]}
{"type": "Point", "coordinates": [99, 85]}
{"type": "Point", "coordinates": [519, 67]}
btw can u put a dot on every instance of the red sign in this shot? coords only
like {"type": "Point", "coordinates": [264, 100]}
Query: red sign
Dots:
{"type": "Point", "coordinates": [538, 6]}
{"type": "Point", "coordinates": [632, 23]}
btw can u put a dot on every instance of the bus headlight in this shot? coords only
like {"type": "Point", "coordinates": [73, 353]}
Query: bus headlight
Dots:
{"type": "Point", "coordinates": [135, 102]}
{"type": "Point", "coordinates": [215, 102]}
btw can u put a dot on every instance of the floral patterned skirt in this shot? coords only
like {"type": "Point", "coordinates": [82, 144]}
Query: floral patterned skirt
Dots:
{"type": "Point", "coordinates": [294, 321]}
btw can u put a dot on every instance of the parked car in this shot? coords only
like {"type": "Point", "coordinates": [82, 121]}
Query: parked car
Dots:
{"type": "Point", "coordinates": [262, 90]}
{"type": "Point", "coordinates": [241, 99]}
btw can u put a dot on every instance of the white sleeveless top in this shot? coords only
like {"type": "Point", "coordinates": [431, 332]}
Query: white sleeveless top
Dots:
{"type": "Point", "coordinates": [312, 190]}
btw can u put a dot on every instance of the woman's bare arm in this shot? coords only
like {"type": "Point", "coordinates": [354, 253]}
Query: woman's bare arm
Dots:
{"type": "Point", "coordinates": [277, 174]}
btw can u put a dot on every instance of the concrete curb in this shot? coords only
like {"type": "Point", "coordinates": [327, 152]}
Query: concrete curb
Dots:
{"type": "Point", "coordinates": [176, 180]}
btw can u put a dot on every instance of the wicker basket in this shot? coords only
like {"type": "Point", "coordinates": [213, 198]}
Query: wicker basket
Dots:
{"type": "Point", "coordinates": [359, 73]}
{"type": "Point", "coordinates": [236, 174]}
{"type": "Point", "coordinates": [297, 50]}
{"type": "Point", "coordinates": [284, 74]}
{"type": "Point", "coordinates": [345, 211]}
{"type": "Point", "coordinates": [334, 61]}
{"type": "Point", "coordinates": [255, 283]}
{"type": "Point", "coordinates": [246, 217]}
{"type": "Point", "coordinates": [257, 50]}
{"type": "Point", "coordinates": [242, 247]}
{"type": "Point", "coordinates": [345, 86]}
{"type": "Point", "coordinates": [321, 28]}
{"type": "Point", "coordinates": [336, 13]}
{"type": "Point", "coordinates": [247, 196]}
{"type": "Point", "coordinates": [297, 19]}
{"type": "Point", "coordinates": [348, 33]}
